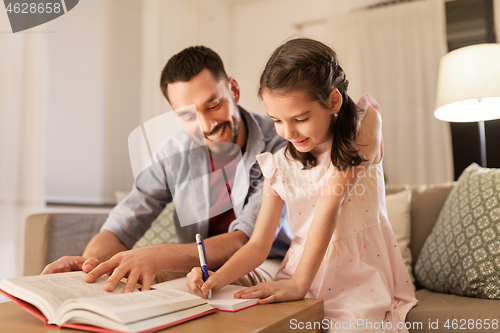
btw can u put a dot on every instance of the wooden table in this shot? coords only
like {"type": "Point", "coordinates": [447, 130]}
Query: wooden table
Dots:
{"type": "Point", "coordinates": [269, 318]}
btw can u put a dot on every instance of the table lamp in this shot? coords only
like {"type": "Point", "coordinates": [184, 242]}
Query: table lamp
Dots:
{"type": "Point", "coordinates": [468, 87]}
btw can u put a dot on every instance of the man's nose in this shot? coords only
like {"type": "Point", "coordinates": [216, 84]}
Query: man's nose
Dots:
{"type": "Point", "coordinates": [207, 123]}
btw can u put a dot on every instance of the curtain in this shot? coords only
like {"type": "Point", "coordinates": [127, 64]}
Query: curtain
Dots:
{"type": "Point", "coordinates": [393, 54]}
{"type": "Point", "coordinates": [23, 100]}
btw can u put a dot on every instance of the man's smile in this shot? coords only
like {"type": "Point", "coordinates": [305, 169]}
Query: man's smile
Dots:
{"type": "Point", "coordinates": [217, 136]}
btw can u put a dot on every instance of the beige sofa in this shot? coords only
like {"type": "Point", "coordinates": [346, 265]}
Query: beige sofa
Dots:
{"type": "Point", "coordinates": [50, 236]}
{"type": "Point", "coordinates": [435, 309]}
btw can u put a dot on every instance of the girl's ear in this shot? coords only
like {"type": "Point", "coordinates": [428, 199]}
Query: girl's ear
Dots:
{"type": "Point", "coordinates": [335, 100]}
{"type": "Point", "coordinates": [234, 88]}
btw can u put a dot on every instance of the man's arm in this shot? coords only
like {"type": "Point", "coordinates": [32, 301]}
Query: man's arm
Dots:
{"type": "Point", "coordinates": [100, 248]}
{"type": "Point", "coordinates": [219, 248]}
{"type": "Point", "coordinates": [103, 246]}
{"type": "Point", "coordinates": [126, 223]}
{"type": "Point", "coordinates": [142, 264]}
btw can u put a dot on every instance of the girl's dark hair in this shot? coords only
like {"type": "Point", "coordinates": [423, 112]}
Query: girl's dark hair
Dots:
{"type": "Point", "coordinates": [188, 63]}
{"type": "Point", "coordinates": [309, 65]}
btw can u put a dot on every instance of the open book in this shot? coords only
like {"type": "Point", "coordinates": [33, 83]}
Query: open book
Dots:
{"type": "Point", "coordinates": [66, 300]}
{"type": "Point", "coordinates": [223, 300]}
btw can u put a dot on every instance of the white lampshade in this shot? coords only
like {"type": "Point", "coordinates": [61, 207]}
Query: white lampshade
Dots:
{"type": "Point", "coordinates": [469, 84]}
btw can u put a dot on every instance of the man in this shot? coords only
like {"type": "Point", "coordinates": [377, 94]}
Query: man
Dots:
{"type": "Point", "coordinates": [193, 77]}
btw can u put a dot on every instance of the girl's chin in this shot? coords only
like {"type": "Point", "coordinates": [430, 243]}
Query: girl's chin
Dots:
{"type": "Point", "coordinates": [303, 149]}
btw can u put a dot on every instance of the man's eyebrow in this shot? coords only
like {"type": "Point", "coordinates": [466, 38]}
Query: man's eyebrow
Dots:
{"type": "Point", "coordinates": [295, 116]}
{"type": "Point", "coordinates": [211, 98]}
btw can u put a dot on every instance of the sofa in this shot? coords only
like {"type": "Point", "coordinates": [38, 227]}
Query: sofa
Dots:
{"type": "Point", "coordinates": [434, 309]}
{"type": "Point", "coordinates": [49, 236]}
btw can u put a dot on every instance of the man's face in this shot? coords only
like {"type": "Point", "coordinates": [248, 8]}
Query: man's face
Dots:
{"type": "Point", "coordinates": [216, 120]}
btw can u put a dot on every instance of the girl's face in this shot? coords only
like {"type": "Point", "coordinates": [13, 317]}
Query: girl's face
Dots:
{"type": "Point", "coordinates": [303, 122]}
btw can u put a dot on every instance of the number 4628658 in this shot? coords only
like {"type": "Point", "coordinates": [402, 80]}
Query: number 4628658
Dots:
{"type": "Point", "coordinates": [463, 324]}
{"type": "Point", "coordinates": [33, 8]}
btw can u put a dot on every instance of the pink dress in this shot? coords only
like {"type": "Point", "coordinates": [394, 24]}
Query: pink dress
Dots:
{"type": "Point", "coordinates": [362, 278]}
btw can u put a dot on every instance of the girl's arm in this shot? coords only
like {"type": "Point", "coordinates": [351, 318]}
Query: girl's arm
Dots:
{"type": "Point", "coordinates": [251, 255]}
{"type": "Point", "coordinates": [324, 220]}
{"type": "Point", "coordinates": [330, 203]}
{"type": "Point", "coordinates": [318, 238]}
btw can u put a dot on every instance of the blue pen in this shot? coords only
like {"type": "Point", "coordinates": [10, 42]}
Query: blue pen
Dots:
{"type": "Point", "coordinates": [203, 260]}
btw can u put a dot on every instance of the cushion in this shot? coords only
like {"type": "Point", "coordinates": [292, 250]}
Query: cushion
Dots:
{"type": "Point", "coordinates": [427, 201]}
{"type": "Point", "coordinates": [462, 254]}
{"type": "Point", "coordinates": [398, 211]}
{"type": "Point", "coordinates": [162, 230]}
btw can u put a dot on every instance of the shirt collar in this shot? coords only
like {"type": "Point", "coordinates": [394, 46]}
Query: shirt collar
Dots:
{"type": "Point", "coordinates": [255, 139]}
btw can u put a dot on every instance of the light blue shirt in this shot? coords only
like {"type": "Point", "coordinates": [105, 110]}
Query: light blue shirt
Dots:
{"type": "Point", "coordinates": [180, 162]}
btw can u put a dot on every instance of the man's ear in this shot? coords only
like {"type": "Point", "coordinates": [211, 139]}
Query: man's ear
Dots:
{"type": "Point", "coordinates": [335, 100]}
{"type": "Point", "coordinates": [234, 88]}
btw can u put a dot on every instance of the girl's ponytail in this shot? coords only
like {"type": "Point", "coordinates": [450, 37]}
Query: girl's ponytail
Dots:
{"type": "Point", "coordinates": [344, 130]}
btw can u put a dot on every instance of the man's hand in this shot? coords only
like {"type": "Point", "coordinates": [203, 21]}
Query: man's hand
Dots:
{"type": "Point", "coordinates": [103, 246]}
{"type": "Point", "coordinates": [68, 264]}
{"type": "Point", "coordinates": [138, 265]}
{"type": "Point", "coordinates": [272, 291]}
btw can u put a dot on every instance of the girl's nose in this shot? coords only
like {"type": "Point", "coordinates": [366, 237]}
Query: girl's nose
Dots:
{"type": "Point", "coordinates": [290, 133]}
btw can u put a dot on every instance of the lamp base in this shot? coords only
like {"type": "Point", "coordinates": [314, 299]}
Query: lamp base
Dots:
{"type": "Point", "coordinates": [482, 141]}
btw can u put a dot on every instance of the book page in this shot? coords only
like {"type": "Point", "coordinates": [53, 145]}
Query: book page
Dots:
{"type": "Point", "coordinates": [58, 288]}
{"type": "Point", "coordinates": [144, 298]}
{"type": "Point", "coordinates": [223, 299]}
{"type": "Point", "coordinates": [131, 307]}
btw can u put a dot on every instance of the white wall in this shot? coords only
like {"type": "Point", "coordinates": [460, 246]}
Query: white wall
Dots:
{"type": "Point", "coordinates": [169, 26]}
{"type": "Point", "coordinates": [94, 100]}
{"type": "Point", "coordinates": [106, 59]}
{"type": "Point", "coordinates": [75, 124]}
{"type": "Point", "coordinates": [122, 93]}
{"type": "Point", "coordinates": [259, 27]}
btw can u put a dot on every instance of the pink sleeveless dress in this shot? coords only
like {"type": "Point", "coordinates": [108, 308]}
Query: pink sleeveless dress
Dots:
{"type": "Point", "coordinates": [362, 278]}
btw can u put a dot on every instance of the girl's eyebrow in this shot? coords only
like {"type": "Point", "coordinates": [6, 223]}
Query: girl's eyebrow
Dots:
{"type": "Point", "coordinates": [295, 116]}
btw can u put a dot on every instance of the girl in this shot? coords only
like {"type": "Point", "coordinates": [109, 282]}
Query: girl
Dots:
{"type": "Point", "coordinates": [330, 175]}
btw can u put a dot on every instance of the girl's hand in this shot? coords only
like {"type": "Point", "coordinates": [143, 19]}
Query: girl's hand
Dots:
{"type": "Point", "coordinates": [196, 285]}
{"type": "Point", "coordinates": [272, 291]}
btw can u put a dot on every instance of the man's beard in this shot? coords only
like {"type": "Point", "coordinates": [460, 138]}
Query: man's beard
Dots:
{"type": "Point", "coordinates": [224, 148]}
{"type": "Point", "coordinates": [227, 148]}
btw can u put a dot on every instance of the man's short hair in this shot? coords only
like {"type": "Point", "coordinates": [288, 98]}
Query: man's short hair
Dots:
{"type": "Point", "coordinates": [188, 63]}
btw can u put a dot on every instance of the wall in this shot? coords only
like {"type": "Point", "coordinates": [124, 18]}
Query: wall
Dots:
{"type": "Point", "coordinates": [122, 92]}
{"type": "Point", "coordinates": [75, 124]}
{"type": "Point", "coordinates": [106, 60]}
{"type": "Point", "coordinates": [169, 27]}
{"type": "Point", "coordinates": [94, 94]}
{"type": "Point", "coordinates": [261, 26]}
{"type": "Point", "coordinates": [105, 63]}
